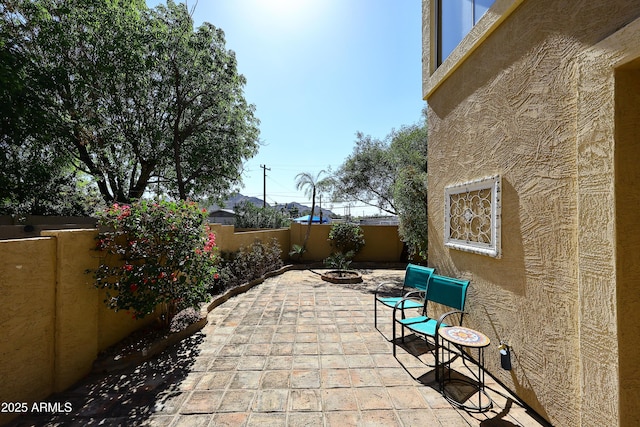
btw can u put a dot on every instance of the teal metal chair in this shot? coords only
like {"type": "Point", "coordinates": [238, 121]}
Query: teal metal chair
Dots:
{"type": "Point", "coordinates": [441, 291]}
{"type": "Point", "coordinates": [412, 293]}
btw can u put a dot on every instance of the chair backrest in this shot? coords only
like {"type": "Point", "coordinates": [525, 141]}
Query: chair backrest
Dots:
{"type": "Point", "coordinates": [417, 276]}
{"type": "Point", "coordinates": [447, 291]}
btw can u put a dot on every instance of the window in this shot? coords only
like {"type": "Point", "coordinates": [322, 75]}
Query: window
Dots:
{"type": "Point", "coordinates": [455, 20]}
{"type": "Point", "coordinates": [472, 216]}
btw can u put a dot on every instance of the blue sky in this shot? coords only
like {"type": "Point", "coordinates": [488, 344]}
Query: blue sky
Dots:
{"type": "Point", "coordinates": [318, 71]}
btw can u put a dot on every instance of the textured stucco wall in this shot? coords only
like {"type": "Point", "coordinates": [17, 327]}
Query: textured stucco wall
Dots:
{"type": "Point", "coordinates": [76, 319]}
{"type": "Point", "coordinates": [27, 317]}
{"type": "Point", "coordinates": [519, 106]}
{"type": "Point", "coordinates": [609, 109]}
{"type": "Point", "coordinates": [53, 320]}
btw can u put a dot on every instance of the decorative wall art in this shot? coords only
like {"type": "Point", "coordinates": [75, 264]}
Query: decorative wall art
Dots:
{"type": "Point", "coordinates": [472, 216]}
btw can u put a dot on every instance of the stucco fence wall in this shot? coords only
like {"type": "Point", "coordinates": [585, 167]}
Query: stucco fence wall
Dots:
{"type": "Point", "coordinates": [54, 321]}
{"type": "Point", "coordinates": [382, 243]}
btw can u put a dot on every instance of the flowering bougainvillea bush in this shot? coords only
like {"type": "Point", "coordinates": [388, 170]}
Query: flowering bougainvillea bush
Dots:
{"type": "Point", "coordinates": [155, 256]}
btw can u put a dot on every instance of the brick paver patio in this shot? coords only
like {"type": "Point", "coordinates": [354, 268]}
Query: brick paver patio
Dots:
{"type": "Point", "coordinates": [292, 351]}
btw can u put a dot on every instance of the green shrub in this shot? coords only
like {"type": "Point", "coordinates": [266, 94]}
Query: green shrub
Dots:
{"type": "Point", "coordinates": [249, 263]}
{"type": "Point", "coordinates": [155, 255]}
{"type": "Point", "coordinates": [184, 318]}
{"type": "Point", "coordinates": [346, 237]}
{"type": "Point", "coordinates": [348, 240]}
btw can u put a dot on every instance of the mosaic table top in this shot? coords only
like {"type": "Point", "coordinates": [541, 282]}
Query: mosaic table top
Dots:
{"type": "Point", "coordinates": [464, 336]}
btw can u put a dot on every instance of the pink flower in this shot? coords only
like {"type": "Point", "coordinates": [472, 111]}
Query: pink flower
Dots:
{"type": "Point", "coordinates": [125, 212]}
{"type": "Point", "coordinates": [211, 243]}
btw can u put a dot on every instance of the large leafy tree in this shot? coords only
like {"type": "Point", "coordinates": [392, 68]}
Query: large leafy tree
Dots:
{"type": "Point", "coordinates": [408, 150]}
{"type": "Point", "coordinates": [205, 125]}
{"type": "Point", "coordinates": [139, 97]}
{"type": "Point", "coordinates": [35, 177]}
{"type": "Point", "coordinates": [367, 175]}
{"type": "Point", "coordinates": [390, 174]}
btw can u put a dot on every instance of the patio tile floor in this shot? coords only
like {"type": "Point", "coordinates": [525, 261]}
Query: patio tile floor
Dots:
{"type": "Point", "coordinates": [292, 351]}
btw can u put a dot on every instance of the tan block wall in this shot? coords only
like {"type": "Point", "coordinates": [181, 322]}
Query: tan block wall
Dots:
{"type": "Point", "coordinates": [84, 324]}
{"type": "Point", "coordinates": [114, 326]}
{"type": "Point", "coordinates": [530, 104]}
{"type": "Point", "coordinates": [27, 319]}
{"type": "Point", "coordinates": [76, 323]}
{"type": "Point", "coordinates": [53, 320]}
{"type": "Point", "coordinates": [318, 247]}
{"type": "Point", "coordinates": [382, 243]}
{"type": "Point", "coordinates": [228, 240]}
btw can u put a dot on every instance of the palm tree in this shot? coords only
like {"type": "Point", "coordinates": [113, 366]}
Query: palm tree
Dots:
{"type": "Point", "coordinates": [310, 184]}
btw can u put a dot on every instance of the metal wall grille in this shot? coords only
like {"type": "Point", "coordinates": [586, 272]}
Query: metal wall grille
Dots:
{"type": "Point", "coordinates": [472, 216]}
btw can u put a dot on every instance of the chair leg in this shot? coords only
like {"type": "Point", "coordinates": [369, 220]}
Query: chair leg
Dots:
{"type": "Point", "coordinates": [437, 358]}
{"type": "Point", "coordinates": [375, 312]}
{"type": "Point", "coordinates": [394, 336]}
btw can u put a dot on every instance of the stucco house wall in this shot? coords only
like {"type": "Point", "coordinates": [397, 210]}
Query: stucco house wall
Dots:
{"type": "Point", "coordinates": [539, 93]}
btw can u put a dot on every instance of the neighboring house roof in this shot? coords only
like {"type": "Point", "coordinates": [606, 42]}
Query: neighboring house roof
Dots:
{"type": "Point", "coordinates": [222, 213]}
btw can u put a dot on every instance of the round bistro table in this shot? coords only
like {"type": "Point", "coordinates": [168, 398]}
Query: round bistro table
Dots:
{"type": "Point", "coordinates": [464, 338]}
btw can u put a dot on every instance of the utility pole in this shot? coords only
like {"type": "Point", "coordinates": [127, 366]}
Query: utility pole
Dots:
{"type": "Point", "coordinates": [264, 184]}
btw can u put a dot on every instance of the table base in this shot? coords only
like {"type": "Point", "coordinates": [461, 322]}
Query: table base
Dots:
{"type": "Point", "coordinates": [463, 400]}
{"type": "Point", "coordinates": [471, 390]}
